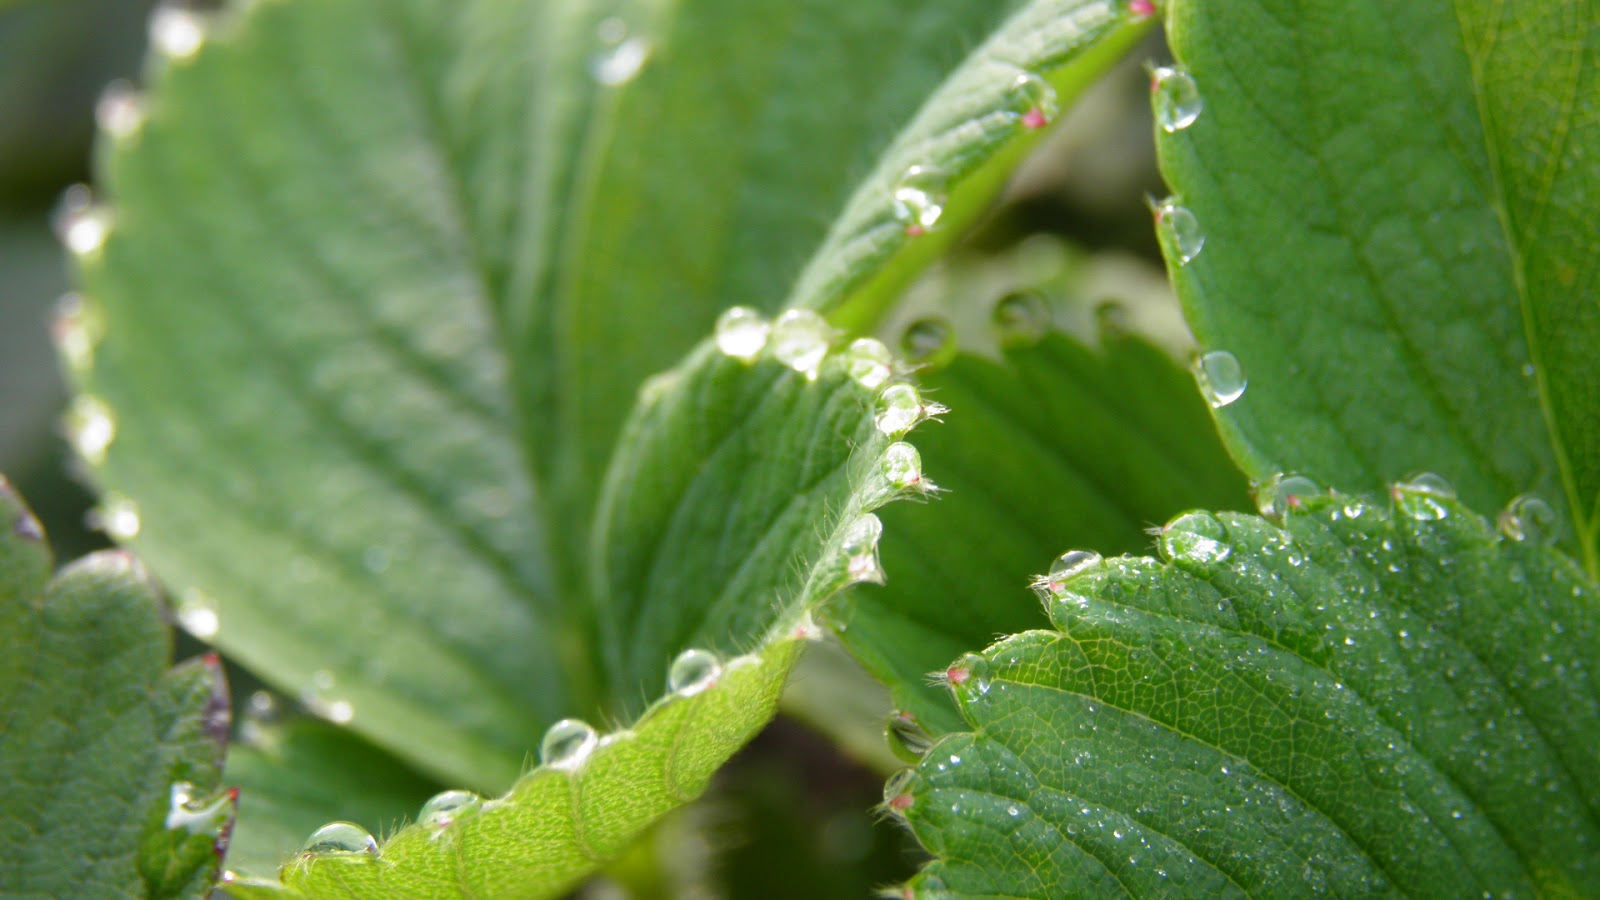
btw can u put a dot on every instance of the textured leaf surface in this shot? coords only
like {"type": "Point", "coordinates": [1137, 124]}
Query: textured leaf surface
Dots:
{"type": "Point", "coordinates": [97, 734]}
{"type": "Point", "coordinates": [1359, 702]}
{"type": "Point", "coordinates": [1397, 202]}
{"type": "Point", "coordinates": [1056, 446]}
{"type": "Point", "coordinates": [432, 252]}
{"type": "Point", "coordinates": [295, 776]}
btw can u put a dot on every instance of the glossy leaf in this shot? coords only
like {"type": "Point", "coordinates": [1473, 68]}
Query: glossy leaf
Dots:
{"type": "Point", "coordinates": [1396, 206]}
{"type": "Point", "coordinates": [110, 758]}
{"type": "Point", "coordinates": [1055, 447]}
{"type": "Point", "coordinates": [1369, 699]}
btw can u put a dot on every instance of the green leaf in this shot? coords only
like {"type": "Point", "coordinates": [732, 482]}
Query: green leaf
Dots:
{"type": "Point", "coordinates": [111, 759]}
{"type": "Point", "coordinates": [801, 456]}
{"type": "Point", "coordinates": [380, 284]}
{"type": "Point", "coordinates": [294, 776]}
{"type": "Point", "coordinates": [1396, 202]}
{"type": "Point", "coordinates": [1361, 701]}
{"type": "Point", "coordinates": [1055, 446]}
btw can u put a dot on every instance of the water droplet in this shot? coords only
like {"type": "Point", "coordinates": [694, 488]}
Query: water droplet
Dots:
{"type": "Point", "coordinates": [1220, 376]}
{"type": "Point", "coordinates": [741, 333]}
{"type": "Point", "coordinates": [77, 330]}
{"type": "Point", "coordinates": [1073, 563]}
{"type": "Point", "coordinates": [80, 225]}
{"type": "Point", "coordinates": [1528, 518]}
{"type": "Point", "coordinates": [902, 466]}
{"type": "Point", "coordinates": [869, 362]}
{"type": "Point", "coordinates": [90, 428]}
{"type": "Point", "coordinates": [919, 198]}
{"type": "Point", "coordinates": [692, 672]}
{"type": "Point", "coordinates": [567, 744]}
{"type": "Point", "coordinates": [117, 516]}
{"type": "Point", "coordinates": [1179, 232]}
{"type": "Point", "coordinates": [929, 341]}
{"type": "Point", "coordinates": [860, 544]}
{"type": "Point", "coordinates": [1196, 537]}
{"type": "Point", "coordinates": [119, 112]}
{"type": "Point", "coordinates": [1421, 496]}
{"type": "Point", "coordinates": [1021, 318]}
{"type": "Point", "coordinates": [188, 812]}
{"type": "Point", "coordinates": [900, 408]}
{"type": "Point", "coordinates": [621, 55]}
{"type": "Point", "coordinates": [315, 697]}
{"type": "Point", "coordinates": [341, 839]}
{"type": "Point", "coordinates": [970, 676]}
{"type": "Point", "coordinates": [197, 613]}
{"type": "Point", "coordinates": [176, 30]}
{"type": "Point", "coordinates": [262, 712]}
{"type": "Point", "coordinates": [906, 737]}
{"type": "Point", "coordinates": [1284, 493]}
{"type": "Point", "coordinates": [446, 808]}
{"type": "Point", "coordinates": [1033, 99]}
{"type": "Point", "coordinates": [899, 791]}
{"type": "Point", "coordinates": [800, 340]}
{"type": "Point", "coordinates": [1175, 98]}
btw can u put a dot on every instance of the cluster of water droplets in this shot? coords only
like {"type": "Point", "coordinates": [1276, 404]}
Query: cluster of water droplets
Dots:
{"type": "Point", "coordinates": [1220, 377]}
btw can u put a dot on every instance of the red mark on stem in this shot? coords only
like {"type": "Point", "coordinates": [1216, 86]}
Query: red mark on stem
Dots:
{"type": "Point", "coordinates": [902, 802]}
{"type": "Point", "coordinates": [957, 675]}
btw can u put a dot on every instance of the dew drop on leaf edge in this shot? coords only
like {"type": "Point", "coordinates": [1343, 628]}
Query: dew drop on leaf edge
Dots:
{"type": "Point", "coordinates": [1033, 100]}
{"type": "Point", "coordinates": [869, 362]}
{"type": "Point", "coordinates": [800, 340]}
{"type": "Point", "coordinates": [906, 736]}
{"type": "Point", "coordinates": [1196, 537]}
{"type": "Point", "coordinates": [341, 839]}
{"type": "Point", "coordinates": [742, 333]}
{"type": "Point", "coordinates": [929, 341]}
{"type": "Point", "coordinates": [1529, 518]}
{"type": "Point", "coordinates": [1420, 496]}
{"type": "Point", "coordinates": [1175, 98]}
{"type": "Point", "coordinates": [1179, 232]}
{"type": "Point", "coordinates": [567, 744]}
{"type": "Point", "coordinates": [448, 807]}
{"type": "Point", "coordinates": [919, 197]}
{"type": "Point", "coordinates": [692, 671]}
{"type": "Point", "coordinates": [1222, 380]}
{"type": "Point", "coordinates": [902, 466]}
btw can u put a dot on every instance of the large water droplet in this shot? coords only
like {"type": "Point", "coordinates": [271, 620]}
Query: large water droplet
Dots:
{"type": "Point", "coordinates": [1284, 493]}
{"type": "Point", "coordinates": [860, 545]}
{"type": "Point", "coordinates": [869, 362]}
{"type": "Point", "coordinates": [1197, 537]}
{"type": "Point", "coordinates": [197, 613]}
{"type": "Point", "coordinates": [1220, 377]}
{"type": "Point", "coordinates": [1175, 98]}
{"type": "Point", "coordinates": [900, 408]}
{"type": "Point", "coordinates": [621, 55]}
{"type": "Point", "coordinates": [969, 676]}
{"type": "Point", "coordinates": [899, 791]}
{"type": "Point", "coordinates": [902, 466]}
{"type": "Point", "coordinates": [567, 744]}
{"type": "Point", "coordinates": [90, 428]}
{"type": "Point", "coordinates": [906, 737]}
{"type": "Point", "coordinates": [1073, 563]}
{"type": "Point", "coordinates": [341, 839]}
{"type": "Point", "coordinates": [1021, 319]}
{"type": "Point", "coordinates": [800, 340]}
{"type": "Point", "coordinates": [1179, 232]}
{"type": "Point", "coordinates": [919, 198]}
{"type": "Point", "coordinates": [318, 697]}
{"type": "Point", "coordinates": [447, 808]}
{"type": "Point", "coordinates": [1033, 99]}
{"type": "Point", "coordinates": [929, 341]}
{"type": "Point", "coordinates": [1528, 518]}
{"type": "Point", "coordinates": [692, 672]}
{"type": "Point", "coordinates": [77, 330]}
{"type": "Point", "coordinates": [119, 111]}
{"type": "Point", "coordinates": [189, 812]}
{"type": "Point", "coordinates": [741, 333]}
{"type": "Point", "coordinates": [176, 30]}
{"type": "Point", "coordinates": [1421, 496]}
{"type": "Point", "coordinates": [117, 516]}
{"type": "Point", "coordinates": [80, 225]}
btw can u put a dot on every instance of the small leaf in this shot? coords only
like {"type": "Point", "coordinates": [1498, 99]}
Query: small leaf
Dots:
{"type": "Point", "coordinates": [110, 759]}
{"type": "Point", "coordinates": [1055, 447]}
{"type": "Point", "coordinates": [1396, 203]}
{"type": "Point", "coordinates": [1364, 700]}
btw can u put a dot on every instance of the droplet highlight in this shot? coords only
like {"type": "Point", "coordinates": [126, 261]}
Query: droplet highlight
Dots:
{"type": "Point", "coordinates": [341, 839]}
{"type": "Point", "coordinates": [693, 671]}
{"type": "Point", "coordinates": [446, 808]}
{"type": "Point", "coordinates": [1222, 380]}
{"type": "Point", "coordinates": [622, 55]}
{"type": "Point", "coordinates": [1197, 537]}
{"type": "Point", "coordinates": [929, 341]}
{"type": "Point", "coordinates": [1179, 232]}
{"type": "Point", "coordinates": [568, 744]}
{"type": "Point", "coordinates": [77, 330]}
{"type": "Point", "coordinates": [919, 198]}
{"type": "Point", "coordinates": [90, 428]}
{"type": "Point", "coordinates": [1175, 98]}
{"type": "Point", "coordinates": [742, 333]}
{"type": "Point", "coordinates": [1033, 100]}
{"type": "Point", "coordinates": [177, 31]}
{"type": "Point", "coordinates": [1529, 518]}
{"type": "Point", "coordinates": [800, 340]}
{"type": "Point", "coordinates": [1021, 319]}
{"type": "Point", "coordinates": [79, 223]}
{"type": "Point", "coordinates": [197, 614]}
{"type": "Point", "coordinates": [1422, 496]}
{"type": "Point", "coordinates": [117, 516]}
{"type": "Point", "coordinates": [869, 362]}
{"type": "Point", "coordinates": [119, 112]}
